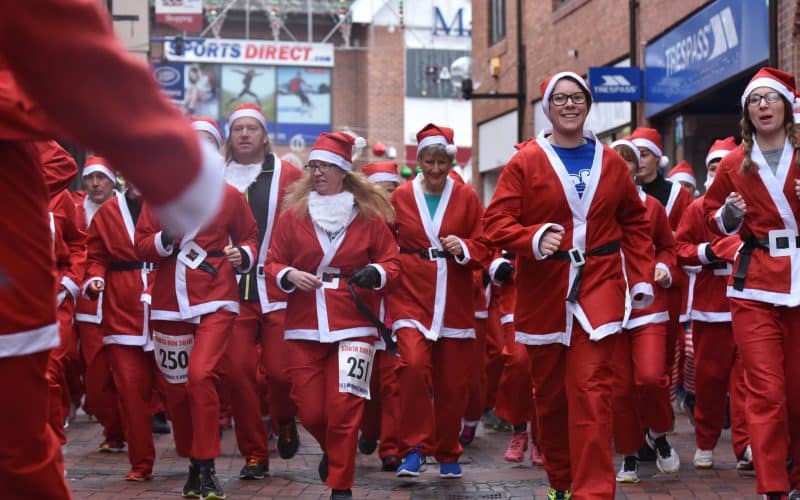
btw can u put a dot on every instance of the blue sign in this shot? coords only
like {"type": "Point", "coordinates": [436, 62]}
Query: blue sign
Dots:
{"type": "Point", "coordinates": [614, 84]}
{"type": "Point", "coordinates": [170, 77]}
{"type": "Point", "coordinates": [720, 41]}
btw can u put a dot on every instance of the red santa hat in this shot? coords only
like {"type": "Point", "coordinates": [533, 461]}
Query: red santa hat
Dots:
{"type": "Point", "coordinates": [382, 171]}
{"type": "Point", "coordinates": [775, 79]}
{"type": "Point", "coordinates": [648, 138]}
{"type": "Point", "coordinates": [628, 144]}
{"type": "Point", "coordinates": [547, 86]}
{"type": "Point", "coordinates": [248, 110]}
{"type": "Point", "coordinates": [683, 172]}
{"type": "Point", "coordinates": [206, 124]}
{"type": "Point", "coordinates": [336, 148]}
{"type": "Point", "coordinates": [97, 164]}
{"type": "Point", "coordinates": [720, 148]}
{"type": "Point", "coordinates": [432, 134]}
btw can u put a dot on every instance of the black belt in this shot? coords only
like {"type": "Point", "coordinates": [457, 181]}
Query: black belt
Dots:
{"type": "Point", "coordinates": [205, 266]}
{"type": "Point", "coordinates": [720, 264]}
{"type": "Point", "coordinates": [750, 244]}
{"type": "Point", "coordinates": [131, 266]}
{"type": "Point", "coordinates": [578, 259]}
{"type": "Point", "coordinates": [428, 253]}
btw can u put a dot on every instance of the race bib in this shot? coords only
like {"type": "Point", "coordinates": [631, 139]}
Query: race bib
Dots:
{"type": "Point", "coordinates": [355, 367]}
{"type": "Point", "coordinates": [172, 356]}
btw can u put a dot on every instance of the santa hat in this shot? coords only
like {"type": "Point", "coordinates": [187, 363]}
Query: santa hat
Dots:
{"type": "Point", "coordinates": [206, 124]}
{"type": "Point", "coordinates": [547, 86]}
{"type": "Point", "coordinates": [247, 110]}
{"type": "Point", "coordinates": [796, 109]}
{"type": "Point", "coordinates": [628, 144]}
{"type": "Point", "coordinates": [383, 171]}
{"type": "Point", "coordinates": [432, 134]}
{"type": "Point", "coordinates": [336, 148]}
{"type": "Point", "coordinates": [683, 172]}
{"type": "Point", "coordinates": [649, 138]}
{"type": "Point", "coordinates": [97, 164]}
{"type": "Point", "coordinates": [720, 148]}
{"type": "Point", "coordinates": [775, 79]}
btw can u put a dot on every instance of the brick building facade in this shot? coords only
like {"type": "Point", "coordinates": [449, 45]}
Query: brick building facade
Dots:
{"type": "Point", "coordinates": [573, 35]}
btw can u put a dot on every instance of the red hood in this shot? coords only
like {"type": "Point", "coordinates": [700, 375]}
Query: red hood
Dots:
{"type": "Point", "coordinates": [58, 166]}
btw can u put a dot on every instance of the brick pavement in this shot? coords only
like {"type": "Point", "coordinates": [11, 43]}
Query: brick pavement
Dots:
{"type": "Point", "coordinates": [486, 476]}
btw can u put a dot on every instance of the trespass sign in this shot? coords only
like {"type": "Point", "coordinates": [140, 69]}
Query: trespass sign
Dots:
{"type": "Point", "coordinates": [721, 40]}
{"type": "Point", "coordinates": [273, 53]}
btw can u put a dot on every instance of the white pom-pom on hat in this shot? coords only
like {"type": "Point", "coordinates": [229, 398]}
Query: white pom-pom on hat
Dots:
{"type": "Point", "coordinates": [360, 142]}
{"type": "Point", "coordinates": [451, 149]}
{"type": "Point", "coordinates": [663, 162]}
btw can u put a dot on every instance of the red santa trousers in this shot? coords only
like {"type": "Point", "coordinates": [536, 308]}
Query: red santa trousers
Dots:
{"type": "Point", "coordinates": [675, 337]}
{"type": "Point", "coordinates": [768, 340]}
{"type": "Point", "coordinates": [332, 417]}
{"type": "Point", "coordinates": [380, 412]}
{"type": "Point", "coordinates": [239, 379]}
{"type": "Point", "coordinates": [193, 406]}
{"type": "Point", "coordinates": [433, 393]}
{"type": "Point", "coordinates": [134, 374]}
{"type": "Point", "coordinates": [515, 393]}
{"type": "Point", "coordinates": [56, 371]}
{"type": "Point", "coordinates": [573, 405]}
{"type": "Point", "coordinates": [716, 374]}
{"type": "Point", "coordinates": [494, 360]}
{"type": "Point", "coordinates": [476, 389]}
{"type": "Point", "coordinates": [31, 465]}
{"type": "Point", "coordinates": [275, 363]}
{"type": "Point", "coordinates": [101, 393]}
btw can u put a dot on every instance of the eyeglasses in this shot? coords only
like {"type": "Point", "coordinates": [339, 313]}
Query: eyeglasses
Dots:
{"type": "Point", "coordinates": [322, 167]}
{"type": "Point", "coordinates": [754, 100]}
{"type": "Point", "coordinates": [561, 99]}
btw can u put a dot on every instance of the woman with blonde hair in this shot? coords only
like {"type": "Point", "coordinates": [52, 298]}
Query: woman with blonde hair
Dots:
{"type": "Point", "coordinates": [333, 234]}
{"type": "Point", "coordinates": [756, 193]}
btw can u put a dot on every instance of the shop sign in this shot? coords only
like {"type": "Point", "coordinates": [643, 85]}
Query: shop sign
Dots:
{"type": "Point", "coordinates": [718, 42]}
{"type": "Point", "coordinates": [614, 84]}
{"type": "Point", "coordinates": [273, 53]}
{"type": "Point", "coordinates": [184, 15]}
{"type": "Point", "coordinates": [170, 77]}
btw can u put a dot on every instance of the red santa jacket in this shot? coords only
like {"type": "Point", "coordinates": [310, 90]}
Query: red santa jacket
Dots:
{"type": "Point", "coordinates": [329, 314]}
{"type": "Point", "coordinates": [182, 292]}
{"type": "Point", "coordinates": [270, 296]}
{"type": "Point", "coordinates": [113, 260]}
{"type": "Point", "coordinates": [535, 193]}
{"type": "Point", "coordinates": [664, 247]}
{"type": "Point", "coordinates": [773, 275]}
{"type": "Point", "coordinates": [506, 296]}
{"type": "Point", "coordinates": [99, 88]}
{"type": "Point", "coordinates": [707, 293]}
{"type": "Point", "coordinates": [435, 295]}
{"type": "Point", "coordinates": [679, 199]}
{"type": "Point", "coordinates": [87, 310]}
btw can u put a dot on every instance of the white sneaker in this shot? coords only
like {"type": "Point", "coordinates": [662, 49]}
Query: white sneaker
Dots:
{"type": "Point", "coordinates": [628, 470]}
{"type": "Point", "coordinates": [745, 462]}
{"type": "Point", "coordinates": [667, 459]}
{"type": "Point", "coordinates": [703, 459]}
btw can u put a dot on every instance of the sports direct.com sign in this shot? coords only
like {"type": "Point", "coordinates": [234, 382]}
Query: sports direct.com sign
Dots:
{"type": "Point", "coordinates": [272, 53]}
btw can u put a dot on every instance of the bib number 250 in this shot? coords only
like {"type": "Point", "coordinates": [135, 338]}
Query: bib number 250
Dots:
{"type": "Point", "coordinates": [172, 356]}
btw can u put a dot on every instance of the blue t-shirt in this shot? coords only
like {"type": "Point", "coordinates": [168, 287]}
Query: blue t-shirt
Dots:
{"type": "Point", "coordinates": [432, 200]}
{"type": "Point", "coordinates": [578, 162]}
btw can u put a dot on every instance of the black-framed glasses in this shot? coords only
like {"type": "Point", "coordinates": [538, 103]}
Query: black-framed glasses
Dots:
{"type": "Point", "coordinates": [322, 167]}
{"type": "Point", "coordinates": [754, 100]}
{"type": "Point", "coordinates": [561, 99]}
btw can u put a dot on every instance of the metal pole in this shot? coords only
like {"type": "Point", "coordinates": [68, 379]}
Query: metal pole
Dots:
{"type": "Point", "coordinates": [521, 83]}
{"type": "Point", "coordinates": [310, 21]}
{"type": "Point", "coordinates": [247, 20]}
{"type": "Point", "coordinates": [632, 41]}
{"type": "Point", "coordinates": [773, 33]}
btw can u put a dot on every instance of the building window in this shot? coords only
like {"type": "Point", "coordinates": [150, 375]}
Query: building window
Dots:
{"type": "Point", "coordinates": [497, 21]}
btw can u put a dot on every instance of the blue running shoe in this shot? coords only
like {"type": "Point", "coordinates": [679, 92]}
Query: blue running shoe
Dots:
{"type": "Point", "coordinates": [412, 464]}
{"type": "Point", "coordinates": [449, 470]}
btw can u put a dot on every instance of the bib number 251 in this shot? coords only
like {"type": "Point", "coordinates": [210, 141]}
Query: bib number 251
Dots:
{"type": "Point", "coordinates": [355, 367]}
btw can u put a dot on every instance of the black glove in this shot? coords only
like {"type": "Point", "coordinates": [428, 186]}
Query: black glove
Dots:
{"type": "Point", "coordinates": [503, 272]}
{"type": "Point", "coordinates": [710, 255]}
{"type": "Point", "coordinates": [366, 277]}
{"type": "Point", "coordinates": [166, 238]}
{"type": "Point", "coordinates": [486, 279]}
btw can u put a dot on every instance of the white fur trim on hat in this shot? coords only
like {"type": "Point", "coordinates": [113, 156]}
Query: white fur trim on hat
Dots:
{"type": "Point", "coordinates": [328, 157]}
{"type": "Point", "coordinates": [431, 140]}
{"type": "Point", "coordinates": [552, 84]}
{"type": "Point", "coordinates": [249, 113]}
{"type": "Point", "coordinates": [384, 177]}
{"type": "Point", "coordinates": [628, 144]}
{"type": "Point", "coordinates": [647, 143]}
{"type": "Point", "coordinates": [716, 155]}
{"type": "Point", "coordinates": [769, 83]}
{"type": "Point", "coordinates": [684, 177]}
{"type": "Point", "coordinates": [97, 167]}
{"type": "Point", "coordinates": [207, 127]}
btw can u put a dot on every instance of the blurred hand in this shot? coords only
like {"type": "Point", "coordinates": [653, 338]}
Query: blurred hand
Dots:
{"type": "Point", "coordinates": [550, 242]}
{"type": "Point", "coordinates": [451, 244]}
{"type": "Point", "coordinates": [234, 255]}
{"type": "Point", "coordinates": [661, 278]}
{"type": "Point", "coordinates": [303, 280]}
{"type": "Point", "coordinates": [95, 287]}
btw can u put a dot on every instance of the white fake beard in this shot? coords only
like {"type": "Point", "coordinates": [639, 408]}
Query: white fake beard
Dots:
{"type": "Point", "coordinates": [331, 213]}
{"type": "Point", "coordinates": [241, 176]}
